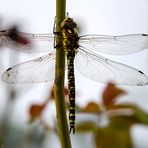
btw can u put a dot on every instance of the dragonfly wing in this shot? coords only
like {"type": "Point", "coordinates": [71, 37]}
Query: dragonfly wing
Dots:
{"type": "Point", "coordinates": [35, 42]}
{"type": "Point", "coordinates": [98, 68]}
{"type": "Point", "coordinates": [39, 70]}
{"type": "Point", "coordinates": [40, 42]}
{"type": "Point", "coordinates": [117, 45]}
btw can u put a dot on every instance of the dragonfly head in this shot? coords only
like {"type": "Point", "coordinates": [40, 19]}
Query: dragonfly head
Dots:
{"type": "Point", "coordinates": [68, 23]}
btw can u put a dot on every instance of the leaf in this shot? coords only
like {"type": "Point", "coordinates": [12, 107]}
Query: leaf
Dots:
{"type": "Point", "coordinates": [120, 106]}
{"type": "Point", "coordinates": [110, 94]}
{"type": "Point", "coordinates": [91, 107]}
{"type": "Point", "coordinates": [35, 111]}
{"type": "Point", "coordinates": [131, 114]}
{"type": "Point", "coordinates": [141, 116]}
{"type": "Point", "coordinates": [117, 133]}
{"type": "Point", "coordinates": [86, 126]}
{"type": "Point", "coordinates": [113, 137]}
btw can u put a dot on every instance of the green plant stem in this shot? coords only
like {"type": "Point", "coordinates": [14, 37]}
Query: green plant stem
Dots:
{"type": "Point", "coordinates": [59, 80]}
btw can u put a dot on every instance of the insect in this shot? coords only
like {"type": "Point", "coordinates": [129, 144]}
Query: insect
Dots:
{"type": "Point", "coordinates": [83, 51]}
{"type": "Point", "coordinates": [12, 38]}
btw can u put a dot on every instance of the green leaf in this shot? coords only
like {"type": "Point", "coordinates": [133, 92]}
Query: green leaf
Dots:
{"type": "Point", "coordinates": [85, 126]}
{"type": "Point", "coordinates": [136, 116]}
{"type": "Point", "coordinates": [113, 137]}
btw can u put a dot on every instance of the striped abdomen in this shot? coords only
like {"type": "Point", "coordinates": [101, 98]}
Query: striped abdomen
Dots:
{"type": "Point", "coordinates": [71, 87]}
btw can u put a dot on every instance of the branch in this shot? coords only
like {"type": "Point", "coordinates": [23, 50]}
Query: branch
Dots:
{"type": "Point", "coordinates": [59, 80]}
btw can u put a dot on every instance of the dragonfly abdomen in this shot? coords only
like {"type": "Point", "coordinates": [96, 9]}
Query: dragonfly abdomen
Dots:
{"type": "Point", "coordinates": [70, 52]}
{"type": "Point", "coordinates": [71, 87]}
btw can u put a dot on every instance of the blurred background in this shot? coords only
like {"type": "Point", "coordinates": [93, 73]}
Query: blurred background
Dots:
{"type": "Point", "coordinates": [114, 17]}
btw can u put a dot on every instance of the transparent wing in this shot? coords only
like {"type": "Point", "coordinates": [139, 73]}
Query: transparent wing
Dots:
{"type": "Point", "coordinates": [38, 70]}
{"type": "Point", "coordinates": [117, 45]}
{"type": "Point", "coordinates": [37, 42]}
{"type": "Point", "coordinates": [41, 42]}
{"type": "Point", "coordinates": [103, 70]}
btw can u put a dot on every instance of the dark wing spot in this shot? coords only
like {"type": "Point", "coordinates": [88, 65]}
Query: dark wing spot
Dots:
{"type": "Point", "coordinates": [144, 34]}
{"type": "Point", "coordinates": [140, 72]}
{"type": "Point", "coordinates": [9, 69]}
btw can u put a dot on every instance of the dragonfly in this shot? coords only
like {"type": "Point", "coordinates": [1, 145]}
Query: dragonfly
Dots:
{"type": "Point", "coordinates": [12, 38]}
{"type": "Point", "coordinates": [81, 52]}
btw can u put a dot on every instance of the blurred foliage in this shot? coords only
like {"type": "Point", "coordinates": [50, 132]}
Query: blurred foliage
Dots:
{"type": "Point", "coordinates": [110, 94]}
{"type": "Point", "coordinates": [91, 107]}
{"type": "Point", "coordinates": [115, 133]}
{"type": "Point", "coordinates": [120, 118]}
{"type": "Point", "coordinates": [35, 111]}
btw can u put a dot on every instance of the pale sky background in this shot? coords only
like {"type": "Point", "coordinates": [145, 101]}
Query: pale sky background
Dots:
{"type": "Point", "coordinates": [109, 17]}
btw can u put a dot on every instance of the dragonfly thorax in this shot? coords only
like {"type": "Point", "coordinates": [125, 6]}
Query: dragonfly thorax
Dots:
{"type": "Point", "coordinates": [69, 35]}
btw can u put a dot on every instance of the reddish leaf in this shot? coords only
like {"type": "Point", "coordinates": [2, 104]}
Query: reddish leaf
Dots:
{"type": "Point", "coordinates": [92, 108]}
{"type": "Point", "coordinates": [35, 111]}
{"type": "Point", "coordinates": [110, 94]}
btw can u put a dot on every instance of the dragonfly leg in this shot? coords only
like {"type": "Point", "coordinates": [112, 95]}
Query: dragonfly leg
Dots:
{"type": "Point", "coordinates": [56, 33]}
{"type": "Point", "coordinates": [58, 44]}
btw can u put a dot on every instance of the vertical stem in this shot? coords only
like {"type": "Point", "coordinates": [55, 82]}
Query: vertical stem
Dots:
{"type": "Point", "coordinates": [59, 80]}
